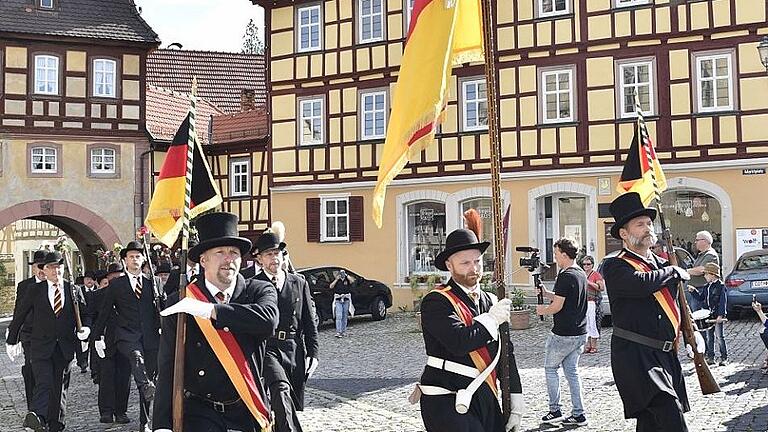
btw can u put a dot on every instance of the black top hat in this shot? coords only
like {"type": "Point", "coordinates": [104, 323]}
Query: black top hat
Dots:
{"type": "Point", "coordinates": [89, 274]}
{"type": "Point", "coordinates": [50, 258]}
{"type": "Point", "coordinates": [627, 207]}
{"type": "Point", "coordinates": [79, 280]}
{"type": "Point", "coordinates": [38, 257]}
{"type": "Point", "coordinates": [164, 267]}
{"type": "Point", "coordinates": [217, 229]}
{"type": "Point", "coordinates": [132, 245]}
{"type": "Point", "coordinates": [266, 241]}
{"type": "Point", "coordinates": [98, 275]}
{"type": "Point", "coordinates": [115, 268]}
{"type": "Point", "coordinates": [457, 241]}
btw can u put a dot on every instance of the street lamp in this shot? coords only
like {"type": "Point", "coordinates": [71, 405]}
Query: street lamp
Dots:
{"type": "Point", "coordinates": [762, 48]}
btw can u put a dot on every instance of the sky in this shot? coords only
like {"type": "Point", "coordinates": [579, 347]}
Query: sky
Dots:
{"type": "Point", "coordinates": [211, 25]}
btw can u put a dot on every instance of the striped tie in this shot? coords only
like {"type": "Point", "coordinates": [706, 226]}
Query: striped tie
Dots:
{"type": "Point", "coordinates": [220, 297]}
{"type": "Point", "coordinates": [57, 300]}
{"type": "Point", "coordinates": [137, 289]}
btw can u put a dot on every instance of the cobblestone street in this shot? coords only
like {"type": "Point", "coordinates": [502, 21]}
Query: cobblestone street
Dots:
{"type": "Point", "coordinates": [364, 379]}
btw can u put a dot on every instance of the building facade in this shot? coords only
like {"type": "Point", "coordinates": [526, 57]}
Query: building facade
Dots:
{"type": "Point", "coordinates": [72, 116]}
{"type": "Point", "coordinates": [568, 71]}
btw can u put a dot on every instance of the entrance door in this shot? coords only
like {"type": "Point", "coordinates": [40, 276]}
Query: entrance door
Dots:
{"type": "Point", "coordinates": [561, 215]}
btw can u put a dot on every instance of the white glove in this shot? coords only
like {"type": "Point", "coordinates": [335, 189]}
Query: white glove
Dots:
{"type": "Point", "coordinates": [100, 347]}
{"type": "Point", "coordinates": [500, 311]}
{"type": "Point", "coordinates": [682, 273]}
{"type": "Point", "coordinates": [163, 430]}
{"type": "Point", "coordinates": [83, 346]}
{"type": "Point", "coordinates": [84, 333]}
{"type": "Point", "coordinates": [310, 366]}
{"type": "Point", "coordinates": [516, 413]}
{"type": "Point", "coordinates": [13, 351]}
{"type": "Point", "coordinates": [190, 306]}
{"type": "Point", "coordinates": [700, 345]}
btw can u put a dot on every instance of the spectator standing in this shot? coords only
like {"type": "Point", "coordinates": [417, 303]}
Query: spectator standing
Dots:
{"type": "Point", "coordinates": [713, 297]}
{"type": "Point", "coordinates": [706, 254]}
{"type": "Point", "coordinates": [342, 302]}
{"type": "Point", "coordinates": [595, 288]}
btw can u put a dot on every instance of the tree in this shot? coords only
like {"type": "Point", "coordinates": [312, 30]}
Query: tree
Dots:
{"type": "Point", "coordinates": [251, 42]}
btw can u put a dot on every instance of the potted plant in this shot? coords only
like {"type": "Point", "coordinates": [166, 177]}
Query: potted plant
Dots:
{"type": "Point", "coordinates": [520, 315]}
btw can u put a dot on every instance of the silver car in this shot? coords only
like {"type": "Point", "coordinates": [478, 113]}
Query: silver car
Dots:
{"type": "Point", "coordinates": [748, 280]}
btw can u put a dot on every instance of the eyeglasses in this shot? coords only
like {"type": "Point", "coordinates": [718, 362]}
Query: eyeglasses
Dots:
{"type": "Point", "coordinates": [700, 239]}
{"type": "Point", "coordinates": [587, 264]}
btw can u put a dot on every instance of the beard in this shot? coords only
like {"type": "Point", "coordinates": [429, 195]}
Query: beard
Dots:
{"type": "Point", "coordinates": [468, 280]}
{"type": "Point", "coordinates": [645, 241]}
{"type": "Point", "coordinates": [226, 276]}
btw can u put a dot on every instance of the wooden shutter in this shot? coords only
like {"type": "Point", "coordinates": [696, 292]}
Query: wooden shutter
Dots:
{"type": "Point", "coordinates": [313, 220]}
{"type": "Point", "coordinates": [356, 219]}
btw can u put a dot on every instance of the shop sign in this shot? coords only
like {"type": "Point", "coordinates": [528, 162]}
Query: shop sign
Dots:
{"type": "Point", "coordinates": [753, 171]}
{"type": "Point", "coordinates": [749, 239]}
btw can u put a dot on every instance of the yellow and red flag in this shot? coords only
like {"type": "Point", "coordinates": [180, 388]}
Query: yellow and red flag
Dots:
{"type": "Point", "coordinates": [166, 210]}
{"type": "Point", "coordinates": [442, 34]}
{"type": "Point", "coordinates": [642, 172]}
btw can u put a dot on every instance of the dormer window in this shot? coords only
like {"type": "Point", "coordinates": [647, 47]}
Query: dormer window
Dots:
{"type": "Point", "coordinates": [46, 4]}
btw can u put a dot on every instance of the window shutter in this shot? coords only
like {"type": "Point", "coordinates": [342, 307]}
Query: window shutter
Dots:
{"type": "Point", "coordinates": [313, 220]}
{"type": "Point", "coordinates": [356, 219]}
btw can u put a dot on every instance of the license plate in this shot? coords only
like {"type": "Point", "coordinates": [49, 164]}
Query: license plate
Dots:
{"type": "Point", "coordinates": [760, 284]}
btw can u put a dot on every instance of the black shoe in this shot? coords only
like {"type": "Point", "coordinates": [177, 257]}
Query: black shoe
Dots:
{"type": "Point", "coordinates": [723, 362]}
{"type": "Point", "coordinates": [553, 418]}
{"type": "Point", "coordinates": [575, 421]}
{"type": "Point", "coordinates": [148, 390]}
{"type": "Point", "coordinates": [84, 369]}
{"type": "Point", "coordinates": [105, 418]}
{"type": "Point", "coordinates": [710, 361]}
{"type": "Point", "coordinates": [122, 419]}
{"type": "Point", "coordinates": [32, 421]}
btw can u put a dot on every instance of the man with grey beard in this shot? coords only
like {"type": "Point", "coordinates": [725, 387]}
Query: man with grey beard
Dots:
{"type": "Point", "coordinates": [642, 289]}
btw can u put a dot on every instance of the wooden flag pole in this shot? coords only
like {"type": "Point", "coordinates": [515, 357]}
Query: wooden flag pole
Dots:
{"type": "Point", "coordinates": [498, 226]}
{"type": "Point", "coordinates": [181, 319]}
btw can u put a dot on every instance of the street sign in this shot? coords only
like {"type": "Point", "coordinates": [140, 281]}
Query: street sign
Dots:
{"type": "Point", "coordinates": [753, 171]}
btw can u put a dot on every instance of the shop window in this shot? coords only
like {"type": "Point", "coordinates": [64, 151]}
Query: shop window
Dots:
{"type": "Point", "coordinates": [240, 177]}
{"type": "Point", "coordinates": [474, 105]}
{"type": "Point", "coordinates": [484, 207]}
{"type": "Point", "coordinates": [310, 26]}
{"type": "Point", "coordinates": [371, 20]}
{"type": "Point", "coordinates": [560, 215]}
{"type": "Point", "coordinates": [688, 212]}
{"type": "Point", "coordinates": [425, 233]}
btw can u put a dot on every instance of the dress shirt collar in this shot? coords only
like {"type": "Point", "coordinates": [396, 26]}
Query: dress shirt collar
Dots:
{"type": "Point", "coordinates": [469, 291]}
{"type": "Point", "coordinates": [280, 278]}
{"type": "Point", "coordinates": [213, 289]}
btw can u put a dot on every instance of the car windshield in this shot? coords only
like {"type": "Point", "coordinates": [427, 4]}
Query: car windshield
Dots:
{"type": "Point", "coordinates": [753, 262]}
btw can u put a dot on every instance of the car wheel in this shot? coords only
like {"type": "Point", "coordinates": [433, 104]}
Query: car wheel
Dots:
{"type": "Point", "coordinates": [733, 314]}
{"type": "Point", "coordinates": [378, 309]}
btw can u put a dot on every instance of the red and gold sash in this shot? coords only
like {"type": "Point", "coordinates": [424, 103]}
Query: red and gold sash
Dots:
{"type": "Point", "coordinates": [233, 360]}
{"type": "Point", "coordinates": [663, 296]}
{"type": "Point", "coordinates": [481, 357]}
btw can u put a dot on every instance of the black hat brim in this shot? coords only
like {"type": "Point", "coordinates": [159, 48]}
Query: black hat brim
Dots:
{"type": "Point", "coordinates": [241, 243]}
{"type": "Point", "coordinates": [124, 252]}
{"type": "Point", "coordinates": [42, 264]}
{"type": "Point", "coordinates": [279, 246]}
{"type": "Point", "coordinates": [444, 255]}
{"type": "Point", "coordinates": [619, 224]}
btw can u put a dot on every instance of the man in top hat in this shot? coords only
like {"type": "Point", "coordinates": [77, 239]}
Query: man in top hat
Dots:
{"type": "Point", "coordinates": [137, 322]}
{"type": "Point", "coordinates": [22, 289]}
{"type": "Point", "coordinates": [52, 343]}
{"type": "Point", "coordinates": [642, 289]}
{"type": "Point", "coordinates": [231, 318]}
{"type": "Point", "coordinates": [458, 389]}
{"type": "Point", "coordinates": [163, 272]}
{"type": "Point", "coordinates": [292, 352]}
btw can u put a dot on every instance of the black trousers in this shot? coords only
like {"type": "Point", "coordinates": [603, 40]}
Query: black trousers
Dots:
{"type": "Point", "coordinates": [286, 419]}
{"type": "Point", "coordinates": [200, 416]}
{"type": "Point", "coordinates": [439, 414]}
{"type": "Point", "coordinates": [94, 360]}
{"type": "Point", "coordinates": [29, 378]}
{"type": "Point", "coordinates": [663, 414]}
{"type": "Point", "coordinates": [150, 365]}
{"type": "Point", "coordinates": [49, 400]}
{"type": "Point", "coordinates": [82, 356]}
{"type": "Point", "coordinates": [114, 384]}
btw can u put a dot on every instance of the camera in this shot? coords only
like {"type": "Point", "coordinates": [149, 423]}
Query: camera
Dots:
{"type": "Point", "coordinates": [532, 262]}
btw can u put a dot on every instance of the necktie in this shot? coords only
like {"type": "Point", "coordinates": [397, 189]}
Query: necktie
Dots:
{"type": "Point", "coordinates": [220, 297]}
{"type": "Point", "coordinates": [137, 288]}
{"type": "Point", "coordinates": [274, 282]}
{"type": "Point", "coordinates": [474, 295]}
{"type": "Point", "coordinates": [56, 300]}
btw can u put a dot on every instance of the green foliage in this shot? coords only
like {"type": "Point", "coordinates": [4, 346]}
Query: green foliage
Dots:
{"type": "Point", "coordinates": [252, 44]}
{"type": "Point", "coordinates": [518, 300]}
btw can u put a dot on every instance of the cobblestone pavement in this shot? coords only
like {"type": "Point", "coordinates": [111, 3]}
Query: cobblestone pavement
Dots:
{"type": "Point", "coordinates": [364, 379]}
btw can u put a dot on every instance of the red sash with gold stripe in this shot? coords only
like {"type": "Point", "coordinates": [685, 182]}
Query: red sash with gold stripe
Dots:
{"type": "Point", "coordinates": [663, 296]}
{"type": "Point", "coordinates": [481, 357]}
{"type": "Point", "coordinates": [233, 360]}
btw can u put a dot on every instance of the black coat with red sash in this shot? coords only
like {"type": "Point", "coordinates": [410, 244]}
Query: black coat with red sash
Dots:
{"type": "Point", "coordinates": [447, 337]}
{"type": "Point", "coordinates": [642, 372]}
{"type": "Point", "coordinates": [250, 316]}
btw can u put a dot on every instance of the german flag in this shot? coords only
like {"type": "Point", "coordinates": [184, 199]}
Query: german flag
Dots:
{"type": "Point", "coordinates": [642, 172]}
{"type": "Point", "coordinates": [164, 217]}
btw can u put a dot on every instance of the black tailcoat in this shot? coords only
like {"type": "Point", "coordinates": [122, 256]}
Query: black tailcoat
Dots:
{"type": "Point", "coordinates": [23, 289]}
{"type": "Point", "coordinates": [285, 359]}
{"type": "Point", "coordinates": [447, 337]}
{"type": "Point", "coordinates": [641, 372]}
{"type": "Point", "coordinates": [251, 316]}
{"type": "Point", "coordinates": [134, 319]}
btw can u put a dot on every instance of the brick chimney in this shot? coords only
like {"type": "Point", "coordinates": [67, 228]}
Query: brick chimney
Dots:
{"type": "Point", "coordinates": [247, 100]}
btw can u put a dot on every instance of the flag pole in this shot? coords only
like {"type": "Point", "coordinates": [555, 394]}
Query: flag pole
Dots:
{"type": "Point", "coordinates": [181, 319]}
{"type": "Point", "coordinates": [498, 227]}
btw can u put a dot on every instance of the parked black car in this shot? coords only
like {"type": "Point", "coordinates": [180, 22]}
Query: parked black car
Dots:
{"type": "Point", "coordinates": [369, 296]}
{"type": "Point", "coordinates": [749, 278]}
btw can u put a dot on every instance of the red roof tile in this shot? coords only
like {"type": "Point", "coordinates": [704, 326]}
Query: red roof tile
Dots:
{"type": "Point", "coordinates": [166, 110]}
{"type": "Point", "coordinates": [240, 127]}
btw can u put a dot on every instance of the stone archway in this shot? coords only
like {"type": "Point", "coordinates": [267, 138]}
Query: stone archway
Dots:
{"type": "Point", "coordinates": [87, 229]}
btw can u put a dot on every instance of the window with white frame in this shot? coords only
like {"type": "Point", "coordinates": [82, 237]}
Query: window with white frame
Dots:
{"type": "Point", "coordinates": [557, 95]}
{"type": "Point", "coordinates": [334, 219]}
{"type": "Point", "coordinates": [408, 12]}
{"type": "Point", "coordinates": [373, 115]}
{"type": "Point", "coordinates": [46, 74]}
{"type": "Point", "coordinates": [311, 111]}
{"type": "Point", "coordinates": [309, 28]}
{"type": "Point", "coordinates": [240, 177]}
{"type": "Point", "coordinates": [102, 161]}
{"type": "Point", "coordinates": [626, 3]}
{"type": "Point", "coordinates": [425, 234]}
{"type": "Point", "coordinates": [475, 104]}
{"type": "Point", "coordinates": [46, 4]}
{"type": "Point", "coordinates": [714, 75]}
{"type": "Point", "coordinates": [104, 77]}
{"type": "Point", "coordinates": [44, 160]}
{"type": "Point", "coordinates": [371, 20]}
{"type": "Point", "coordinates": [636, 78]}
{"type": "Point", "coordinates": [553, 7]}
